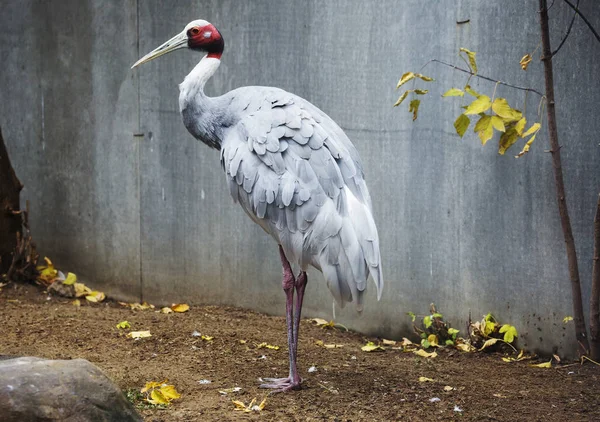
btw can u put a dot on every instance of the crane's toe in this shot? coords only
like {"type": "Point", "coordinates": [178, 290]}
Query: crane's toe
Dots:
{"type": "Point", "coordinates": [279, 385]}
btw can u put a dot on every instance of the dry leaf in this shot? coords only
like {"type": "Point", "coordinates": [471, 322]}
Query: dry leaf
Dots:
{"type": "Point", "coordinates": [230, 390]}
{"type": "Point", "coordinates": [70, 279]}
{"type": "Point", "coordinates": [47, 272]}
{"type": "Point", "coordinates": [388, 342]}
{"type": "Point", "coordinates": [488, 343]}
{"type": "Point", "coordinates": [425, 354]}
{"type": "Point", "coordinates": [525, 60]}
{"type": "Point", "coordinates": [372, 347]}
{"type": "Point", "coordinates": [95, 296]}
{"type": "Point", "coordinates": [139, 334]}
{"type": "Point", "coordinates": [206, 338]}
{"type": "Point", "coordinates": [76, 302]}
{"type": "Point", "coordinates": [543, 365]}
{"type": "Point", "coordinates": [267, 346]}
{"type": "Point", "coordinates": [448, 388]}
{"type": "Point", "coordinates": [160, 392]}
{"type": "Point", "coordinates": [123, 325]}
{"type": "Point", "coordinates": [180, 307]}
{"type": "Point", "coordinates": [425, 379]}
{"type": "Point", "coordinates": [166, 310]}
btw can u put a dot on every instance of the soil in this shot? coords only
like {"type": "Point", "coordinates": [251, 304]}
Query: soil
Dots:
{"type": "Point", "coordinates": [348, 385]}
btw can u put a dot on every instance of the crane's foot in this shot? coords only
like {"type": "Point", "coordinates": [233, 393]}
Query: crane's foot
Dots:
{"type": "Point", "coordinates": [279, 385]}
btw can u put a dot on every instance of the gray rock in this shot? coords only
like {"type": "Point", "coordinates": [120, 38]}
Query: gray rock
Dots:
{"type": "Point", "coordinates": [34, 389]}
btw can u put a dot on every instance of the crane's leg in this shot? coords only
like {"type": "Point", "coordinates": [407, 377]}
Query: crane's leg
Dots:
{"type": "Point", "coordinates": [301, 281]}
{"type": "Point", "coordinates": [288, 283]}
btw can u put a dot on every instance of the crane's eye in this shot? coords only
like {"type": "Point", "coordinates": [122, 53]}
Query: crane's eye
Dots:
{"type": "Point", "coordinates": [194, 31]}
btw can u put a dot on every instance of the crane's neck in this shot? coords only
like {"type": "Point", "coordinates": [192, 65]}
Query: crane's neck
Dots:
{"type": "Point", "coordinates": [197, 109]}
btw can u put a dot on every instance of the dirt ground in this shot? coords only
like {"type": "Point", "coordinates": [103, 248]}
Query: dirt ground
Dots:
{"type": "Point", "coordinates": [348, 385]}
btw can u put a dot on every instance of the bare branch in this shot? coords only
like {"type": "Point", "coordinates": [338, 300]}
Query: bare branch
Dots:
{"type": "Point", "coordinates": [567, 34]}
{"type": "Point", "coordinates": [584, 19]}
{"type": "Point", "coordinates": [485, 77]}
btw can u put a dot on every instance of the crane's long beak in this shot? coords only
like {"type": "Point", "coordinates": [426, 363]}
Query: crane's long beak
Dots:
{"type": "Point", "coordinates": [178, 41]}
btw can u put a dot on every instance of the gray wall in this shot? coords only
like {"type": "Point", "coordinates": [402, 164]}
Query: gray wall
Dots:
{"type": "Point", "coordinates": [122, 195]}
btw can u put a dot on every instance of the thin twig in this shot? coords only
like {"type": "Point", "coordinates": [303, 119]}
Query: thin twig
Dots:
{"type": "Point", "coordinates": [584, 19]}
{"type": "Point", "coordinates": [567, 34]}
{"type": "Point", "coordinates": [485, 77]}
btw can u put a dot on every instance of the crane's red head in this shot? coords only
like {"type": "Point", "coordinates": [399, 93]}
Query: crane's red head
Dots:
{"type": "Point", "coordinates": [198, 35]}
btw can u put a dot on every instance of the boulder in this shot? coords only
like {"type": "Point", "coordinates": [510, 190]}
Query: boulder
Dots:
{"type": "Point", "coordinates": [35, 389]}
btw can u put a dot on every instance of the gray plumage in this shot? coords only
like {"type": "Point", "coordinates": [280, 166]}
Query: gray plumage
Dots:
{"type": "Point", "coordinates": [296, 174]}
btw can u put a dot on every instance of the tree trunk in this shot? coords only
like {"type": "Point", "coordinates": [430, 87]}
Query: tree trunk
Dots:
{"type": "Point", "coordinates": [595, 299]}
{"type": "Point", "coordinates": [580, 329]}
{"type": "Point", "coordinates": [10, 224]}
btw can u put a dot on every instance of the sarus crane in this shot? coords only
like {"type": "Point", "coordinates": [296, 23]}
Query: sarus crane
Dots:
{"type": "Point", "coordinates": [293, 171]}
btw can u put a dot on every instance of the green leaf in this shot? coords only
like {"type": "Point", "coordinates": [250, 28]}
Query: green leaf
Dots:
{"type": "Point", "coordinates": [507, 139]}
{"type": "Point", "coordinates": [454, 92]}
{"type": "Point", "coordinates": [567, 319]}
{"type": "Point", "coordinates": [510, 333]}
{"type": "Point", "coordinates": [414, 108]}
{"type": "Point", "coordinates": [470, 91]}
{"type": "Point", "coordinates": [437, 315]}
{"type": "Point", "coordinates": [427, 321]}
{"type": "Point", "coordinates": [480, 105]}
{"type": "Point", "coordinates": [449, 342]}
{"type": "Point", "coordinates": [402, 98]}
{"type": "Point", "coordinates": [498, 124]}
{"type": "Point", "coordinates": [425, 344]}
{"type": "Point", "coordinates": [412, 315]}
{"type": "Point", "coordinates": [471, 56]}
{"type": "Point", "coordinates": [405, 78]}
{"type": "Point", "coordinates": [421, 91]}
{"type": "Point", "coordinates": [371, 347]}
{"type": "Point", "coordinates": [462, 124]}
{"type": "Point", "coordinates": [453, 332]}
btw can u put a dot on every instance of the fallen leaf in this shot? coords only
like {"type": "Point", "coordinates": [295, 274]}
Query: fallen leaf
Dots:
{"type": "Point", "coordinates": [425, 379]}
{"type": "Point", "coordinates": [70, 279]}
{"type": "Point", "coordinates": [243, 341]}
{"type": "Point", "coordinates": [138, 306]}
{"type": "Point", "coordinates": [81, 290]}
{"type": "Point", "coordinates": [448, 388]}
{"type": "Point", "coordinates": [180, 307]}
{"type": "Point", "coordinates": [230, 390]}
{"type": "Point", "coordinates": [267, 346]}
{"type": "Point", "coordinates": [160, 392]}
{"type": "Point", "coordinates": [209, 338]}
{"type": "Point", "coordinates": [319, 321]}
{"type": "Point", "coordinates": [166, 310]}
{"type": "Point", "coordinates": [123, 325]}
{"type": "Point", "coordinates": [76, 302]}
{"type": "Point", "coordinates": [95, 296]}
{"type": "Point", "coordinates": [252, 407]}
{"type": "Point", "coordinates": [47, 272]}
{"type": "Point", "coordinates": [543, 365]}
{"type": "Point", "coordinates": [556, 358]}
{"type": "Point", "coordinates": [567, 319]}
{"type": "Point", "coordinates": [372, 347]}
{"type": "Point", "coordinates": [425, 354]}
{"type": "Point", "coordinates": [156, 397]}
{"type": "Point", "coordinates": [488, 343]}
{"type": "Point", "coordinates": [139, 334]}
{"type": "Point", "coordinates": [388, 342]}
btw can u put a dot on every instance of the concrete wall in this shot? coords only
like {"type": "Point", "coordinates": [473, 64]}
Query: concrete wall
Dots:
{"type": "Point", "coordinates": [122, 195]}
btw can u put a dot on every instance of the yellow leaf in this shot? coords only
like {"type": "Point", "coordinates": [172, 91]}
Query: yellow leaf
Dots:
{"type": "Point", "coordinates": [166, 310]}
{"type": "Point", "coordinates": [502, 109]}
{"type": "Point", "coordinates": [453, 92]}
{"type": "Point", "coordinates": [402, 98]}
{"type": "Point", "coordinates": [448, 388]}
{"type": "Point", "coordinates": [414, 108]}
{"type": "Point", "coordinates": [76, 302]}
{"type": "Point", "coordinates": [525, 149]}
{"type": "Point", "coordinates": [484, 128]}
{"type": "Point", "coordinates": [169, 392]}
{"type": "Point", "coordinates": [47, 273]}
{"type": "Point", "coordinates": [81, 290]}
{"type": "Point", "coordinates": [480, 105]}
{"type": "Point", "coordinates": [525, 60]}
{"type": "Point", "coordinates": [405, 78]}
{"type": "Point", "coordinates": [139, 306]}
{"type": "Point", "coordinates": [139, 334]}
{"type": "Point", "coordinates": [520, 126]}
{"type": "Point", "coordinates": [181, 307]}
{"type": "Point", "coordinates": [533, 129]}
{"type": "Point", "coordinates": [507, 139]}
{"type": "Point", "coordinates": [239, 405]}
{"type": "Point", "coordinates": [425, 354]}
{"type": "Point", "coordinates": [498, 124]}
{"type": "Point", "coordinates": [332, 346]}
{"type": "Point", "coordinates": [152, 384]}
{"type": "Point", "coordinates": [462, 124]}
{"type": "Point", "coordinates": [95, 296]}
{"type": "Point", "coordinates": [267, 346]}
{"type": "Point", "coordinates": [421, 91]}
{"type": "Point", "coordinates": [509, 359]}
{"type": "Point", "coordinates": [489, 327]}
{"type": "Point", "coordinates": [423, 77]}
{"type": "Point", "coordinates": [156, 397]}
{"type": "Point", "coordinates": [388, 342]}
{"type": "Point", "coordinates": [71, 278]}
{"type": "Point", "coordinates": [371, 347]}
{"type": "Point", "coordinates": [470, 91]}
{"type": "Point", "coordinates": [433, 340]}
{"type": "Point", "coordinates": [262, 404]}
{"type": "Point", "coordinates": [425, 379]}
{"type": "Point", "coordinates": [123, 325]}
{"type": "Point", "coordinates": [243, 341]}
{"type": "Point", "coordinates": [319, 321]}
{"type": "Point", "coordinates": [567, 319]}
{"type": "Point", "coordinates": [471, 56]}
{"type": "Point", "coordinates": [488, 343]}
{"type": "Point", "coordinates": [543, 365]}
{"type": "Point", "coordinates": [465, 347]}
{"type": "Point", "coordinates": [210, 338]}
